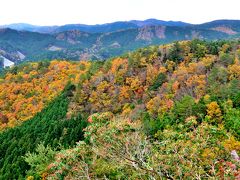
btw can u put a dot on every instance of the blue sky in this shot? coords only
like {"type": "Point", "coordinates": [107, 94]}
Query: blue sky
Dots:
{"type": "Point", "coordinates": [57, 12]}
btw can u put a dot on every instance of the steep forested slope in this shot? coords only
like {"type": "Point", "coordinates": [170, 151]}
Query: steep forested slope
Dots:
{"type": "Point", "coordinates": [161, 112]}
{"type": "Point", "coordinates": [49, 127]}
{"type": "Point", "coordinates": [26, 89]}
{"type": "Point", "coordinates": [175, 115]}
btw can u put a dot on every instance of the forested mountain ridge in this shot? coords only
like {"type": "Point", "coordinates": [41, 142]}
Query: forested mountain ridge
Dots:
{"type": "Point", "coordinates": [98, 28]}
{"type": "Point", "coordinates": [115, 26]}
{"type": "Point", "coordinates": [169, 111]}
{"type": "Point", "coordinates": [107, 40]}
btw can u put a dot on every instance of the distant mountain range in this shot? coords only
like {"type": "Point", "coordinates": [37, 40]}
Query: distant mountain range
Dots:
{"type": "Point", "coordinates": [19, 42]}
{"type": "Point", "coordinates": [99, 28]}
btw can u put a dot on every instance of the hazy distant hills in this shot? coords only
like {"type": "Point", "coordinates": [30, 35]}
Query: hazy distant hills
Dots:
{"type": "Point", "coordinates": [99, 28]}
{"type": "Point", "coordinates": [233, 24]}
{"type": "Point", "coordinates": [20, 42]}
{"type": "Point", "coordinates": [158, 22]}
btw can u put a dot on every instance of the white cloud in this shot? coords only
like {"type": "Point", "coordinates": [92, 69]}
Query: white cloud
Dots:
{"type": "Point", "coordinates": [50, 12]}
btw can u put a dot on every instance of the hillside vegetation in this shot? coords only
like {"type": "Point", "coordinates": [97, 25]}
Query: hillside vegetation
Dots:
{"type": "Point", "coordinates": [50, 127]}
{"type": "Point", "coordinates": [161, 112]}
{"type": "Point", "coordinates": [26, 89]}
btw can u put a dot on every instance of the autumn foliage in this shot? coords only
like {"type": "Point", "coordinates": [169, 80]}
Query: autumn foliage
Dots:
{"type": "Point", "coordinates": [161, 112]}
{"type": "Point", "coordinates": [27, 90]}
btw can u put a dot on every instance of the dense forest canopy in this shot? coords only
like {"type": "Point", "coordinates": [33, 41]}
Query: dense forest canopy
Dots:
{"type": "Point", "coordinates": [27, 88]}
{"type": "Point", "coordinates": [161, 112]}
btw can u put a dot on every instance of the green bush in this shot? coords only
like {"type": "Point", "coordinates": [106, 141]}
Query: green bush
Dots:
{"type": "Point", "coordinates": [187, 107]}
{"type": "Point", "coordinates": [198, 48]}
{"type": "Point", "coordinates": [153, 125]}
{"type": "Point", "coordinates": [175, 53]}
{"type": "Point", "coordinates": [226, 59]}
{"type": "Point", "coordinates": [39, 160]}
{"type": "Point", "coordinates": [232, 122]}
{"type": "Point", "coordinates": [159, 80]}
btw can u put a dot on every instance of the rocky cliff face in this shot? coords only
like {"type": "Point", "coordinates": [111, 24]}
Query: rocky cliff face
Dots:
{"type": "Point", "coordinates": [225, 29]}
{"type": "Point", "coordinates": [72, 36]}
{"type": "Point", "coordinates": [10, 58]}
{"type": "Point", "coordinates": [147, 33]}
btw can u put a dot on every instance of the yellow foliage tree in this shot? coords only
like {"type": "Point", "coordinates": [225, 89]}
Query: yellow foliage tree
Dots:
{"type": "Point", "coordinates": [214, 113]}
